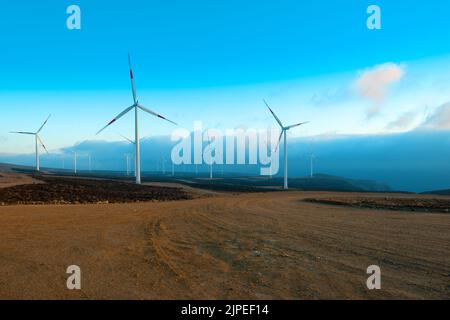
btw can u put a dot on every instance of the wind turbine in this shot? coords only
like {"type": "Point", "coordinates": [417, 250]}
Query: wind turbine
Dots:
{"type": "Point", "coordinates": [283, 132]}
{"type": "Point", "coordinates": [211, 164]}
{"type": "Point", "coordinates": [74, 162]}
{"type": "Point", "coordinates": [136, 106]}
{"type": "Point", "coordinates": [127, 158]}
{"type": "Point", "coordinates": [312, 156]}
{"type": "Point", "coordinates": [210, 171]}
{"type": "Point", "coordinates": [133, 143]}
{"type": "Point", "coordinates": [37, 141]}
{"type": "Point", "coordinates": [88, 155]}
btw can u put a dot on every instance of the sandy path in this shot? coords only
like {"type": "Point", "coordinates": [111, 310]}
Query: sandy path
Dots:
{"type": "Point", "coordinates": [15, 179]}
{"type": "Point", "coordinates": [260, 246]}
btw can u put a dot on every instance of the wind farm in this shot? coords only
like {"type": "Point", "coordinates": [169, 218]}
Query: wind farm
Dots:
{"type": "Point", "coordinates": [203, 153]}
{"type": "Point", "coordinates": [222, 233]}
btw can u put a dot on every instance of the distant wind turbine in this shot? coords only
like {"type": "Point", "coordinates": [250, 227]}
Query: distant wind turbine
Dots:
{"type": "Point", "coordinates": [37, 141]}
{"type": "Point", "coordinates": [211, 164]}
{"type": "Point", "coordinates": [210, 171]}
{"type": "Point", "coordinates": [136, 106]}
{"type": "Point", "coordinates": [312, 156]}
{"type": "Point", "coordinates": [133, 143]}
{"type": "Point", "coordinates": [74, 162]}
{"type": "Point", "coordinates": [127, 158]}
{"type": "Point", "coordinates": [283, 132]}
{"type": "Point", "coordinates": [88, 155]}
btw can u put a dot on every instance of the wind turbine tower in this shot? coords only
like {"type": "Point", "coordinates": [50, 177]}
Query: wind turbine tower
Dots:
{"type": "Point", "coordinates": [284, 133]}
{"type": "Point", "coordinates": [37, 141]}
{"type": "Point", "coordinates": [133, 143]}
{"type": "Point", "coordinates": [136, 107]}
{"type": "Point", "coordinates": [74, 162]}
{"type": "Point", "coordinates": [127, 158]}
{"type": "Point", "coordinates": [89, 162]}
{"type": "Point", "coordinates": [211, 164]}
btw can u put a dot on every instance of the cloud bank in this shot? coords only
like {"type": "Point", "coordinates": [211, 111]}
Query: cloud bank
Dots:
{"type": "Point", "coordinates": [412, 161]}
{"type": "Point", "coordinates": [439, 119]}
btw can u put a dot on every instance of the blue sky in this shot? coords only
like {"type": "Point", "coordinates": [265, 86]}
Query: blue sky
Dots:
{"type": "Point", "coordinates": [215, 60]}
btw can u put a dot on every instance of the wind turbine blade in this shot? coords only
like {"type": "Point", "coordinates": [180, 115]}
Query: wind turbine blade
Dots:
{"type": "Point", "coordinates": [273, 113]}
{"type": "Point", "coordinates": [120, 115]}
{"type": "Point", "coordinates": [129, 140]}
{"type": "Point", "coordinates": [45, 122]}
{"type": "Point", "coordinates": [278, 142]}
{"type": "Point", "coordinates": [296, 125]}
{"type": "Point", "coordinates": [133, 86]}
{"type": "Point", "coordinates": [42, 144]}
{"type": "Point", "coordinates": [22, 132]}
{"type": "Point", "coordinates": [155, 114]}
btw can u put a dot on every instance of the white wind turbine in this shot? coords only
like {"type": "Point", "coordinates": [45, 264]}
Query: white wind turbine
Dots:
{"type": "Point", "coordinates": [283, 132]}
{"type": "Point", "coordinates": [312, 156]}
{"type": "Point", "coordinates": [210, 171]}
{"type": "Point", "coordinates": [136, 106]}
{"type": "Point", "coordinates": [127, 160]}
{"type": "Point", "coordinates": [211, 164]}
{"type": "Point", "coordinates": [127, 155]}
{"type": "Point", "coordinates": [37, 141]}
{"type": "Point", "coordinates": [74, 162]}
{"type": "Point", "coordinates": [88, 155]}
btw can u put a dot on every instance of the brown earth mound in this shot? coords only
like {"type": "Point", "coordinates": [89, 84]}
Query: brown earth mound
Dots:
{"type": "Point", "coordinates": [75, 191]}
{"type": "Point", "coordinates": [390, 203]}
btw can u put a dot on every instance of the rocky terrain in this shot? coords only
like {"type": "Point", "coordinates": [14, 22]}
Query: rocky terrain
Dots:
{"type": "Point", "coordinates": [57, 190]}
{"type": "Point", "coordinates": [414, 204]}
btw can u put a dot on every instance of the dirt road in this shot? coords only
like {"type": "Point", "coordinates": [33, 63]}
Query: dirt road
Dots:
{"type": "Point", "coordinates": [249, 246]}
{"type": "Point", "coordinates": [8, 179]}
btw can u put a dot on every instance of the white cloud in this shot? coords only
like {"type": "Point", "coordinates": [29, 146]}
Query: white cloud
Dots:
{"type": "Point", "coordinates": [439, 119]}
{"type": "Point", "coordinates": [374, 83]}
{"type": "Point", "coordinates": [404, 121]}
